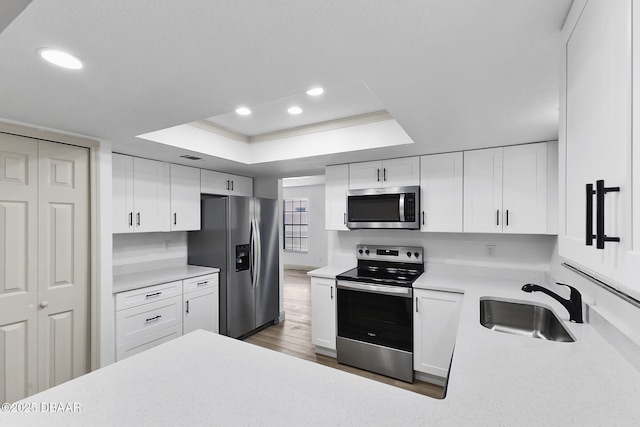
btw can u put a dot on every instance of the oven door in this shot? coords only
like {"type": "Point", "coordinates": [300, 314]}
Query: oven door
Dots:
{"type": "Point", "coordinates": [376, 314]}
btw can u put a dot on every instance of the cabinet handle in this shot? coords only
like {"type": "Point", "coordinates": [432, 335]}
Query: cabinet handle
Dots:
{"type": "Point", "coordinates": [203, 283]}
{"type": "Point", "coordinates": [384, 174]}
{"type": "Point", "coordinates": [155, 294]}
{"type": "Point", "coordinates": [589, 236]}
{"type": "Point", "coordinates": [231, 185]}
{"type": "Point", "coordinates": [497, 217]}
{"type": "Point", "coordinates": [153, 318]}
{"type": "Point", "coordinates": [344, 218]}
{"type": "Point", "coordinates": [378, 174]}
{"type": "Point", "coordinates": [601, 237]}
{"type": "Point", "coordinates": [175, 218]}
{"type": "Point", "coordinates": [187, 306]}
{"type": "Point", "coordinates": [331, 292]}
{"type": "Point", "coordinates": [507, 220]}
{"type": "Point", "coordinates": [228, 187]}
{"type": "Point", "coordinates": [130, 219]}
{"type": "Point", "coordinates": [422, 217]}
{"type": "Point", "coordinates": [138, 219]}
{"type": "Point", "coordinates": [417, 305]}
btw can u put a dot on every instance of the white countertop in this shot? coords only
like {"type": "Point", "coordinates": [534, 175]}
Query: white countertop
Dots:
{"type": "Point", "coordinates": [141, 279]}
{"type": "Point", "coordinates": [330, 271]}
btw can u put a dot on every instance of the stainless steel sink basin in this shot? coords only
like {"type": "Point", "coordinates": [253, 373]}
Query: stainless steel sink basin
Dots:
{"type": "Point", "coordinates": [523, 319]}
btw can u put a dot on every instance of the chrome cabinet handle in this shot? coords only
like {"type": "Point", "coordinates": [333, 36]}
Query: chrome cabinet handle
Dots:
{"type": "Point", "coordinates": [417, 305]}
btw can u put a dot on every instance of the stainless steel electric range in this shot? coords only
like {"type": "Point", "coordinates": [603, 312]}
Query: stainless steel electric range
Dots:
{"type": "Point", "coordinates": [375, 310]}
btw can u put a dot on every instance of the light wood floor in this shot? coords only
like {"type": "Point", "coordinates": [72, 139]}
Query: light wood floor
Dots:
{"type": "Point", "coordinates": [293, 336]}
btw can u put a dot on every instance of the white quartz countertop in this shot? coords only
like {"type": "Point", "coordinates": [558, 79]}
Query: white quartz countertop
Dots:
{"type": "Point", "coordinates": [330, 271]}
{"type": "Point", "coordinates": [141, 279]}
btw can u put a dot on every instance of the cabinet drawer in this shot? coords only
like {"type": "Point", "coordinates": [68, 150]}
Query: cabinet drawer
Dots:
{"type": "Point", "coordinates": [200, 282]}
{"type": "Point", "coordinates": [137, 322]}
{"type": "Point", "coordinates": [148, 341]}
{"type": "Point", "coordinates": [136, 297]}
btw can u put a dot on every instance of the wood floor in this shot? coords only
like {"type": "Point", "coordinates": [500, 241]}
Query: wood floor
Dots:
{"type": "Point", "coordinates": [293, 336]}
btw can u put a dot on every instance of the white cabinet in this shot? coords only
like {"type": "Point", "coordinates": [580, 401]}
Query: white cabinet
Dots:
{"type": "Point", "coordinates": [506, 189]}
{"type": "Point", "coordinates": [441, 192]}
{"type": "Point", "coordinates": [323, 313]}
{"type": "Point", "coordinates": [599, 121]}
{"type": "Point", "coordinates": [336, 185]}
{"type": "Point", "coordinates": [386, 173]}
{"type": "Point", "coordinates": [435, 325]}
{"type": "Point", "coordinates": [140, 195]}
{"type": "Point", "coordinates": [147, 317]}
{"type": "Point", "coordinates": [200, 304]}
{"type": "Point", "coordinates": [185, 198]}
{"type": "Point", "coordinates": [212, 182]}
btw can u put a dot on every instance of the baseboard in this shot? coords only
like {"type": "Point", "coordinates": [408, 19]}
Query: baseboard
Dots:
{"type": "Point", "coordinates": [431, 379]}
{"type": "Point", "coordinates": [326, 352]}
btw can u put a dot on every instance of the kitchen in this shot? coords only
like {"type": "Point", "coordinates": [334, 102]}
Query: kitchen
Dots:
{"type": "Point", "coordinates": [471, 78]}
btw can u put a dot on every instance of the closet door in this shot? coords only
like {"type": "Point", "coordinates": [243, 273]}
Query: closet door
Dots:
{"type": "Point", "coordinates": [18, 266]}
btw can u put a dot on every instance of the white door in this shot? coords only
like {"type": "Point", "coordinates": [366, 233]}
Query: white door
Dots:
{"type": "Point", "coordinates": [122, 193]}
{"type": "Point", "coordinates": [365, 175]}
{"type": "Point", "coordinates": [524, 190]}
{"type": "Point", "coordinates": [201, 310]}
{"type": "Point", "coordinates": [483, 191]}
{"type": "Point", "coordinates": [44, 252]}
{"type": "Point", "coordinates": [323, 313]}
{"type": "Point", "coordinates": [212, 182]}
{"type": "Point", "coordinates": [185, 198]}
{"type": "Point", "coordinates": [435, 326]}
{"type": "Point", "coordinates": [336, 184]}
{"type": "Point", "coordinates": [18, 267]}
{"type": "Point", "coordinates": [151, 195]}
{"type": "Point", "coordinates": [441, 192]}
{"type": "Point", "coordinates": [401, 172]}
{"type": "Point", "coordinates": [241, 186]}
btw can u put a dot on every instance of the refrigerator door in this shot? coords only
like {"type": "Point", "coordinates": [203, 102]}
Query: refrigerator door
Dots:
{"type": "Point", "coordinates": [240, 307]}
{"type": "Point", "coordinates": [267, 284]}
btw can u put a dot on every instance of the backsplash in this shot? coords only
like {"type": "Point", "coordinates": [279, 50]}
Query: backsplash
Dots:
{"type": "Point", "coordinates": [146, 251]}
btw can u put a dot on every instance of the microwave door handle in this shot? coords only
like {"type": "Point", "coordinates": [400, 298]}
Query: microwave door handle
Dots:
{"type": "Point", "coordinates": [401, 207]}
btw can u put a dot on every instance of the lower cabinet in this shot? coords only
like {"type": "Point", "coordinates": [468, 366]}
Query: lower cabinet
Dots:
{"type": "Point", "coordinates": [435, 324]}
{"type": "Point", "coordinates": [323, 313]}
{"type": "Point", "coordinates": [150, 316]}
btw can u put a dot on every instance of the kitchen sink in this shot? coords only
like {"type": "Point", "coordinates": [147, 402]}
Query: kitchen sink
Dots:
{"type": "Point", "coordinates": [524, 319]}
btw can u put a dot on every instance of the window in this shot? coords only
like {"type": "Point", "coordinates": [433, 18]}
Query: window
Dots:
{"type": "Point", "coordinates": [295, 217]}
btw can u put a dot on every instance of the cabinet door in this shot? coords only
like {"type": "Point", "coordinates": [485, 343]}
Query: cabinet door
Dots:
{"type": "Point", "coordinates": [185, 198]}
{"type": "Point", "coordinates": [401, 172]}
{"type": "Point", "coordinates": [122, 192]}
{"type": "Point", "coordinates": [201, 310]}
{"type": "Point", "coordinates": [212, 182]}
{"type": "Point", "coordinates": [240, 185]}
{"type": "Point", "coordinates": [524, 190]}
{"type": "Point", "coordinates": [441, 192]}
{"type": "Point", "coordinates": [365, 175]}
{"type": "Point", "coordinates": [335, 192]}
{"type": "Point", "coordinates": [151, 195]}
{"type": "Point", "coordinates": [483, 191]}
{"type": "Point", "coordinates": [435, 325]}
{"type": "Point", "coordinates": [597, 144]}
{"type": "Point", "coordinates": [323, 313]}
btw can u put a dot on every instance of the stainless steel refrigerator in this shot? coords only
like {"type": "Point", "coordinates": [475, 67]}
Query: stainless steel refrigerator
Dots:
{"type": "Point", "coordinates": [239, 235]}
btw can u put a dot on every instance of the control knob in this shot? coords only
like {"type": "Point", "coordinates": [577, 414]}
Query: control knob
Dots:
{"type": "Point", "coordinates": [366, 251]}
{"type": "Point", "coordinates": [416, 254]}
{"type": "Point", "coordinates": [409, 254]}
{"type": "Point", "coordinates": [360, 251]}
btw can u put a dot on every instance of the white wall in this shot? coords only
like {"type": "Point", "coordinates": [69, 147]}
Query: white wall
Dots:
{"type": "Point", "coordinates": [143, 251]}
{"type": "Point", "coordinates": [316, 255]}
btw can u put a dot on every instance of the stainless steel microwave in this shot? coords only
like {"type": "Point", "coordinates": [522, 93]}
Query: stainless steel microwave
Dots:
{"type": "Point", "coordinates": [396, 207]}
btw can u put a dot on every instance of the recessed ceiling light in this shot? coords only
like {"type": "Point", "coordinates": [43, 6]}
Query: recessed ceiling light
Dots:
{"type": "Point", "coordinates": [315, 91]}
{"type": "Point", "coordinates": [60, 58]}
{"type": "Point", "coordinates": [243, 111]}
{"type": "Point", "coordinates": [295, 110]}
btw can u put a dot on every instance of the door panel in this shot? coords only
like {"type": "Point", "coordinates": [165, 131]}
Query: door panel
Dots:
{"type": "Point", "coordinates": [483, 191]}
{"type": "Point", "coordinates": [18, 266]}
{"type": "Point", "coordinates": [268, 284]}
{"type": "Point", "coordinates": [63, 273]}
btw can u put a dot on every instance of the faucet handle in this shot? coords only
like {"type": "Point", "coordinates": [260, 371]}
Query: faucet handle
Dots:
{"type": "Point", "coordinates": [569, 286]}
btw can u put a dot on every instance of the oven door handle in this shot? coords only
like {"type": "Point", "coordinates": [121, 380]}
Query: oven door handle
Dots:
{"type": "Point", "coordinates": [376, 289]}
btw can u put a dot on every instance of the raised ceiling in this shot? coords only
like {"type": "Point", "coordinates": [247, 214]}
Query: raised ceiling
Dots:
{"type": "Point", "coordinates": [454, 74]}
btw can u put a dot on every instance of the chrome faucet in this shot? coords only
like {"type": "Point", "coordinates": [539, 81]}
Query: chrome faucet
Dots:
{"type": "Point", "coordinates": [573, 304]}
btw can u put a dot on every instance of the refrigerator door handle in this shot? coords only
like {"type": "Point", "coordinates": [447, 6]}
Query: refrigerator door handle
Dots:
{"type": "Point", "coordinates": [258, 251]}
{"type": "Point", "coordinates": [251, 253]}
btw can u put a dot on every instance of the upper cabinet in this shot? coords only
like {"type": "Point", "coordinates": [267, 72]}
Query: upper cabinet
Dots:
{"type": "Point", "coordinates": [185, 198]}
{"type": "Point", "coordinates": [506, 190]}
{"type": "Point", "coordinates": [599, 148]}
{"type": "Point", "coordinates": [386, 173]}
{"type": "Point", "coordinates": [441, 192]}
{"type": "Point", "coordinates": [140, 195]}
{"type": "Point", "coordinates": [335, 190]}
{"type": "Point", "coordinates": [212, 182]}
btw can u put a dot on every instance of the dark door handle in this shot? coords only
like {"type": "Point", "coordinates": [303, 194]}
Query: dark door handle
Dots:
{"type": "Point", "coordinates": [138, 219]}
{"type": "Point", "coordinates": [378, 174]}
{"type": "Point", "coordinates": [601, 237]}
{"type": "Point", "coordinates": [187, 306]}
{"type": "Point", "coordinates": [384, 174]}
{"type": "Point", "coordinates": [175, 218]}
{"type": "Point", "coordinates": [497, 216]}
{"type": "Point", "coordinates": [422, 217]}
{"type": "Point", "coordinates": [507, 219]}
{"type": "Point", "coordinates": [589, 215]}
{"type": "Point", "coordinates": [130, 219]}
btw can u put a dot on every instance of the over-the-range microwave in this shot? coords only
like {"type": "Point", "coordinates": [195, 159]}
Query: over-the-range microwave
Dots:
{"type": "Point", "coordinates": [395, 207]}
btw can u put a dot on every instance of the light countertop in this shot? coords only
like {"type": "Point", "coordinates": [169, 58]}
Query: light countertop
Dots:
{"type": "Point", "coordinates": [141, 279]}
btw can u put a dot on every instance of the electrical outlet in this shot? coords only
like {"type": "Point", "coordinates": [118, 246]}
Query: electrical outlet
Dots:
{"type": "Point", "coordinates": [167, 244]}
{"type": "Point", "coordinates": [490, 250]}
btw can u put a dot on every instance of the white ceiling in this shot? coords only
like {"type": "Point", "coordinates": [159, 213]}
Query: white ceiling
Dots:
{"type": "Point", "coordinates": [454, 74]}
